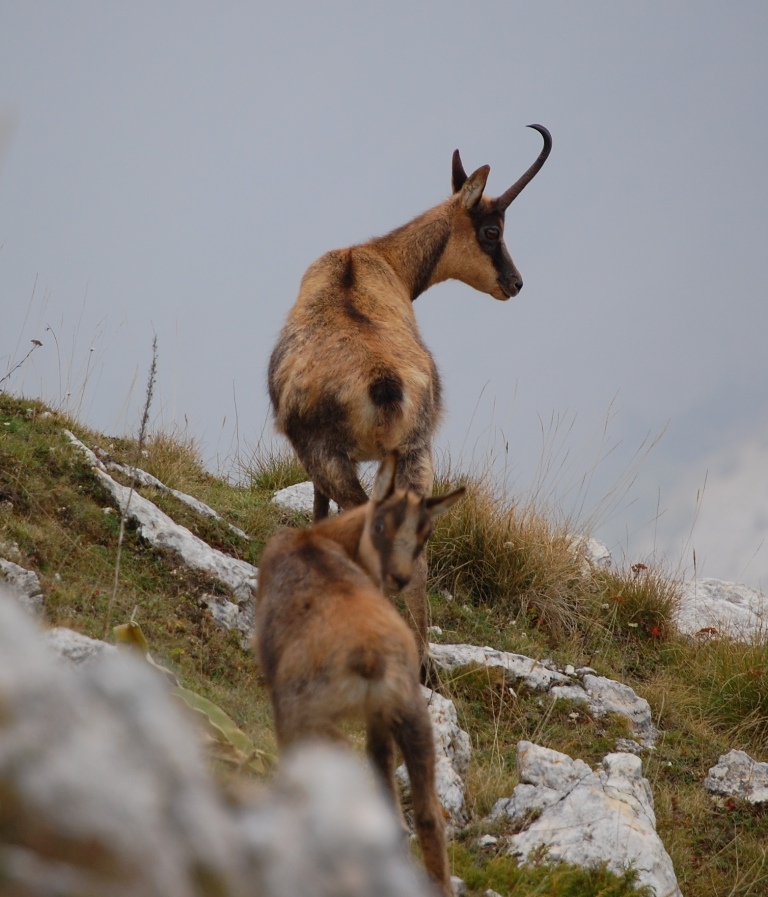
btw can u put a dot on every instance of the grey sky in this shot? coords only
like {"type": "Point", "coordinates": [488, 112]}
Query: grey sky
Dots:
{"type": "Point", "coordinates": [173, 168]}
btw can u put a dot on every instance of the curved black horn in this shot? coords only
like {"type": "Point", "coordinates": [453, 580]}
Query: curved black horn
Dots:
{"type": "Point", "coordinates": [458, 175]}
{"type": "Point", "coordinates": [506, 198]}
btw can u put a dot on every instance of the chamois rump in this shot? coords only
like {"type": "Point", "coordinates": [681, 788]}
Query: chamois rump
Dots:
{"type": "Point", "coordinates": [332, 646]}
{"type": "Point", "coordinates": [350, 378]}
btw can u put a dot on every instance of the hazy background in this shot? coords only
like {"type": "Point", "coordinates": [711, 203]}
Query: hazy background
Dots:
{"type": "Point", "coordinates": [172, 168]}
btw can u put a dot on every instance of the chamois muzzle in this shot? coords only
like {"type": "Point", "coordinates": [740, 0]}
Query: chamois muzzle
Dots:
{"type": "Point", "coordinates": [399, 582]}
{"type": "Point", "coordinates": [510, 288]}
{"type": "Point", "coordinates": [503, 201]}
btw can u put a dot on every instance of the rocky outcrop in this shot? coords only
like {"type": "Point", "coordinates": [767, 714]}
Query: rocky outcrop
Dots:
{"type": "Point", "coordinates": [708, 608]}
{"type": "Point", "coordinates": [738, 775]}
{"type": "Point", "coordinates": [163, 532]}
{"type": "Point", "coordinates": [711, 608]}
{"type": "Point", "coordinates": [598, 694]}
{"type": "Point", "coordinates": [586, 817]}
{"type": "Point", "coordinates": [143, 478]}
{"type": "Point", "coordinates": [24, 585]}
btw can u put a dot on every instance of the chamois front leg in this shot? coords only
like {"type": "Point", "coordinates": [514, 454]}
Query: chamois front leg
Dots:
{"type": "Point", "coordinates": [320, 506]}
{"type": "Point", "coordinates": [417, 607]}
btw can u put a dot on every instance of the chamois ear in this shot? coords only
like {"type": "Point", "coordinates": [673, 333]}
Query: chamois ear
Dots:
{"type": "Point", "coordinates": [384, 484]}
{"type": "Point", "coordinates": [439, 504]}
{"type": "Point", "coordinates": [473, 187]}
{"type": "Point", "coordinates": [458, 175]}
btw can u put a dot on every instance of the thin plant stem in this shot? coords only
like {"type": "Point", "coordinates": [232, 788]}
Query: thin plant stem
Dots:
{"type": "Point", "coordinates": [124, 513]}
{"type": "Point", "coordinates": [35, 345]}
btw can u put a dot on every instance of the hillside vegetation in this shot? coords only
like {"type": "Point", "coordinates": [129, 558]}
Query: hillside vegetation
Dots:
{"type": "Point", "coordinates": [502, 575]}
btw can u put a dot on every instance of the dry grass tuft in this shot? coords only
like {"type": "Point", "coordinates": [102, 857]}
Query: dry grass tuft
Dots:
{"type": "Point", "coordinates": [734, 689]}
{"type": "Point", "coordinates": [175, 459]}
{"type": "Point", "coordinates": [274, 470]}
{"type": "Point", "coordinates": [509, 557]}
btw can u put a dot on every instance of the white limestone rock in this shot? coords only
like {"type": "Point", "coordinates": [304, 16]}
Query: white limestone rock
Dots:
{"type": "Point", "coordinates": [609, 696]}
{"type": "Point", "coordinates": [714, 607]}
{"type": "Point", "coordinates": [598, 694]}
{"type": "Point", "coordinates": [593, 554]}
{"type": "Point", "coordinates": [299, 498]}
{"type": "Point", "coordinates": [24, 585]}
{"type": "Point", "coordinates": [161, 531]}
{"type": "Point", "coordinates": [105, 775]}
{"type": "Point", "coordinates": [458, 886]}
{"type": "Point", "coordinates": [146, 479]}
{"type": "Point", "coordinates": [75, 647]}
{"type": "Point", "coordinates": [229, 615]}
{"type": "Point", "coordinates": [486, 841]}
{"type": "Point", "coordinates": [585, 817]}
{"type": "Point", "coordinates": [533, 673]}
{"type": "Point", "coordinates": [453, 750]}
{"type": "Point", "coordinates": [738, 775]}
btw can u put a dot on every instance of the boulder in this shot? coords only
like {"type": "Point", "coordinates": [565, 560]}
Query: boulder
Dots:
{"type": "Point", "coordinates": [24, 585]}
{"type": "Point", "coordinates": [587, 817]}
{"type": "Point", "coordinates": [325, 829]}
{"type": "Point", "coordinates": [738, 775]}
{"type": "Point", "coordinates": [711, 607]}
{"type": "Point", "coordinates": [299, 499]}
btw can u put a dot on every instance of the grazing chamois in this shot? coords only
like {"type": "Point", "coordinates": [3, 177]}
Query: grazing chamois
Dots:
{"type": "Point", "coordinates": [350, 378]}
{"type": "Point", "coordinates": [332, 646]}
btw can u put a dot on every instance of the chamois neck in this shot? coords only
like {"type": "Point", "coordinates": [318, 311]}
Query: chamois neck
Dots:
{"type": "Point", "coordinates": [345, 529]}
{"type": "Point", "coordinates": [414, 250]}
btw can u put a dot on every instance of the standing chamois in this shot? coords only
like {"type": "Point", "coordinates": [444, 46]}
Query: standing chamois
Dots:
{"type": "Point", "coordinates": [332, 646]}
{"type": "Point", "coordinates": [350, 379]}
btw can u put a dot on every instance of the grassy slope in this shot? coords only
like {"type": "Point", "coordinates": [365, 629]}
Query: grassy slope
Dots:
{"type": "Point", "coordinates": [502, 575]}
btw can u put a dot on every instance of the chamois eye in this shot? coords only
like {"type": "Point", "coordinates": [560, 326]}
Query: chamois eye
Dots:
{"type": "Point", "coordinates": [492, 233]}
{"type": "Point", "coordinates": [378, 527]}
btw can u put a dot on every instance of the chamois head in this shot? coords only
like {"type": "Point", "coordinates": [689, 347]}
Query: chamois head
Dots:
{"type": "Point", "coordinates": [499, 278]}
{"type": "Point", "coordinates": [398, 523]}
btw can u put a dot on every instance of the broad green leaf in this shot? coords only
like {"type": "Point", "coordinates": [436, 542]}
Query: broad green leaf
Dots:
{"type": "Point", "coordinates": [224, 731]}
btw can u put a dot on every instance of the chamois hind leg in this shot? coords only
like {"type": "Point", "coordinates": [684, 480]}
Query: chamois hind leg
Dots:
{"type": "Point", "coordinates": [333, 475]}
{"type": "Point", "coordinates": [413, 734]}
{"type": "Point", "coordinates": [380, 747]}
{"type": "Point", "coordinates": [415, 471]}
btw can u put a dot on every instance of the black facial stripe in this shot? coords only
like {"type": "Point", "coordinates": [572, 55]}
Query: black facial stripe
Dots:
{"type": "Point", "coordinates": [492, 248]}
